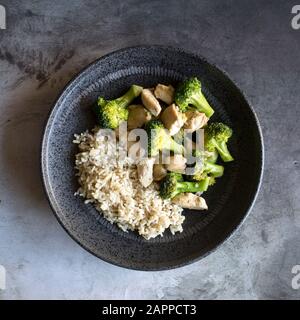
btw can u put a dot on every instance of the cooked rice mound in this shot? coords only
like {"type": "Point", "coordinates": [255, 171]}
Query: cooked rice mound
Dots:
{"type": "Point", "coordinates": [110, 182]}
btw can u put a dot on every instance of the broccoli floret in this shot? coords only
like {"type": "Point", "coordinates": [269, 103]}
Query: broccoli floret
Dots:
{"type": "Point", "coordinates": [97, 105]}
{"type": "Point", "coordinates": [212, 181]}
{"type": "Point", "coordinates": [189, 93]}
{"type": "Point", "coordinates": [204, 167]}
{"type": "Point", "coordinates": [176, 175]}
{"type": "Point", "coordinates": [159, 139]}
{"type": "Point", "coordinates": [101, 102]}
{"type": "Point", "coordinates": [216, 136]}
{"type": "Point", "coordinates": [172, 186]}
{"type": "Point", "coordinates": [210, 156]}
{"type": "Point", "coordinates": [111, 113]}
{"type": "Point", "coordinates": [209, 170]}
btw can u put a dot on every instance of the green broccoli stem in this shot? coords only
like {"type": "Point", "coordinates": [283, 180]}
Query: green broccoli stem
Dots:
{"type": "Point", "coordinates": [223, 151]}
{"type": "Point", "coordinates": [202, 105]}
{"type": "Point", "coordinates": [130, 95]}
{"type": "Point", "coordinates": [214, 169]}
{"type": "Point", "coordinates": [193, 186]}
{"type": "Point", "coordinates": [214, 156]}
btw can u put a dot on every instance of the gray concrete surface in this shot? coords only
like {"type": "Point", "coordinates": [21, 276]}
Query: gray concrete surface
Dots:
{"type": "Point", "coordinates": [47, 42]}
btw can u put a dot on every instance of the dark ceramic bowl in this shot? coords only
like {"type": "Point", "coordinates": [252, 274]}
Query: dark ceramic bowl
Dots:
{"type": "Point", "coordinates": [229, 200]}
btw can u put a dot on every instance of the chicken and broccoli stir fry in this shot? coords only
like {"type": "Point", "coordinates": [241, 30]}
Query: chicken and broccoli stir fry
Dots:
{"type": "Point", "coordinates": [166, 113]}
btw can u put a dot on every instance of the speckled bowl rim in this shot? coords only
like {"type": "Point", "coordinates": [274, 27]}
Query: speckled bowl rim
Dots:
{"type": "Point", "coordinates": [65, 91]}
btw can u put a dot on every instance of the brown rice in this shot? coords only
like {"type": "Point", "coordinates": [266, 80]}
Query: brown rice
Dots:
{"type": "Point", "coordinates": [111, 184]}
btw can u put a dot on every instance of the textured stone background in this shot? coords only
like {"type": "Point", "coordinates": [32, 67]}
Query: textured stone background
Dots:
{"type": "Point", "coordinates": [47, 42]}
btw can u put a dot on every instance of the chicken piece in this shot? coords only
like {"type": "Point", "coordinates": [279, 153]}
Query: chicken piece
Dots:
{"type": "Point", "coordinates": [159, 172]}
{"type": "Point", "coordinates": [135, 148]}
{"type": "Point", "coordinates": [150, 102]}
{"type": "Point", "coordinates": [145, 171]}
{"type": "Point", "coordinates": [173, 119]}
{"type": "Point", "coordinates": [175, 163]}
{"type": "Point", "coordinates": [190, 201]}
{"type": "Point", "coordinates": [137, 117]}
{"type": "Point", "coordinates": [195, 120]}
{"type": "Point", "coordinates": [164, 93]}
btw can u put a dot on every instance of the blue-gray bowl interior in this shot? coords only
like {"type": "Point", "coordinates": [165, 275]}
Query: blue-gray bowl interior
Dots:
{"type": "Point", "coordinates": [228, 200]}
